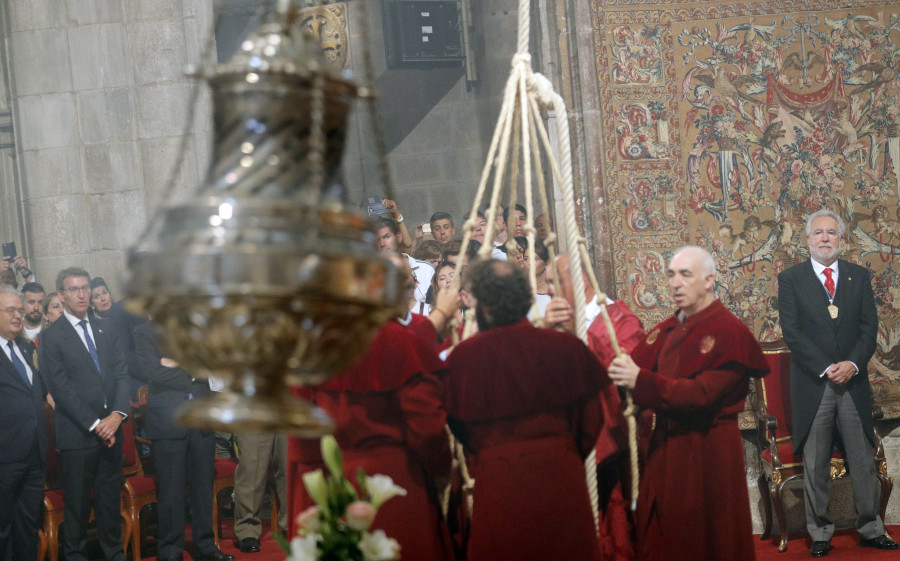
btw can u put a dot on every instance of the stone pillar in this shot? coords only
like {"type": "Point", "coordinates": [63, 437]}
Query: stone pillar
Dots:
{"type": "Point", "coordinates": [99, 108]}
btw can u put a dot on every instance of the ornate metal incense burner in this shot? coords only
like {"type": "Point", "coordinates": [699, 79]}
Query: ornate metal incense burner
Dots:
{"type": "Point", "coordinates": [264, 278]}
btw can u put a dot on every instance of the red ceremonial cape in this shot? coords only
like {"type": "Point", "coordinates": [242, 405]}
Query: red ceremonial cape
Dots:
{"type": "Point", "coordinates": [518, 379]}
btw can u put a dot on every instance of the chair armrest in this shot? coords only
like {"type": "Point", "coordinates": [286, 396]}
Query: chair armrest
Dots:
{"type": "Point", "coordinates": [772, 425]}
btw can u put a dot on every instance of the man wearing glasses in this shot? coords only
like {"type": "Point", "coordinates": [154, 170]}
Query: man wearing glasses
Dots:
{"type": "Point", "coordinates": [23, 435]}
{"type": "Point", "coordinates": [88, 378]}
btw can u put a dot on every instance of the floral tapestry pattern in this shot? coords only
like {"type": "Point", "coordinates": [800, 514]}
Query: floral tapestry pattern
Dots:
{"type": "Point", "coordinates": [730, 124]}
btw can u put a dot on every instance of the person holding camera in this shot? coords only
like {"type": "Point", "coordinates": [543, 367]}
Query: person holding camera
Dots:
{"type": "Point", "coordinates": [12, 264]}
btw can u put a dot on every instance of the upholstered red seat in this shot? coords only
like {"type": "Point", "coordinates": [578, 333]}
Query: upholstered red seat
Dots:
{"type": "Point", "coordinates": [779, 464]}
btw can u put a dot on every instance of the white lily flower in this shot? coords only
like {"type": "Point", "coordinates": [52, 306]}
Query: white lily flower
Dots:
{"type": "Point", "coordinates": [303, 549]}
{"type": "Point", "coordinates": [378, 547]}
{"type": "Point", "coordinates": [381, 488]}
{"type": "Point", "coordinates": [331, 454]}
{"type": "Point", "coordinates": [317, 487]}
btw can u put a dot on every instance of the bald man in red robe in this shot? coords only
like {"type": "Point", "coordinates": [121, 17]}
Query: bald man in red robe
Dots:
{"type": "Point", "coordinates": [693, 370]}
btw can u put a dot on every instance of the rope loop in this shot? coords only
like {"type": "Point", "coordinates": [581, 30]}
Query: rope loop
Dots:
{"type": "Point", "coordinates": [469, 225]}
{"type": "Point", "coordinates": [550, 239]}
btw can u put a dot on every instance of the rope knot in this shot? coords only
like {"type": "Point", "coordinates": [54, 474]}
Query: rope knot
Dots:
{"type": "Point", "coordinates": [520, 60]}
{"type": "Point", "coordinates": [550, 239]}
{"type": "Point", "coordinates": [469, 225]}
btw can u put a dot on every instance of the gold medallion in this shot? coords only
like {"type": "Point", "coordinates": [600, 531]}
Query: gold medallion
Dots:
{"type": "Point", "coordinates": [833, 311]}
{"type": "Point", "coordinates": [652, 337]}
{"type": "Point", "coordinates": [707, 343]}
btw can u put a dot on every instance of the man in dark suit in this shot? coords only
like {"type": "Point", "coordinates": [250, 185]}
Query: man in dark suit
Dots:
{"type": "Point", "coordinates": [23, 435]}
{"type": "Point", "coordinates": [829, 322]}
{"type": "Point", "coordinates": [180, 454]}
{"type": "Point", "coordinates": [88, 379]}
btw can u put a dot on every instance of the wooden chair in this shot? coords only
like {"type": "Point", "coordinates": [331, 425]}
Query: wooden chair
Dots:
{"type": "Point", "coordinates": [779, 464]}
{"type": "Point", "coordinates": [224, 479]}
{"type": "Point", "coordinates": [139, 489]}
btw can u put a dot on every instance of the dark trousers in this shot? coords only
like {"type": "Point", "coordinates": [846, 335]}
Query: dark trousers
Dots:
{"type": "Point", "coordinates": [97, 470]}
{"type": "Point", "coordinates": [21, 497]}
{"type": "Point", "coordinates": [191, 459]}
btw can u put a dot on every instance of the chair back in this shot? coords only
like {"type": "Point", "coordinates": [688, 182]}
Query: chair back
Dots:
{"type": "Point", "coordinates": [776, 387]}
{"type": "Point", "coordinates": [131, 460]}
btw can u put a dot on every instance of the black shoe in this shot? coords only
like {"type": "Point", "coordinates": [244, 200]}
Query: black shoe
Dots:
{"type": "Point", "coordinates": [820, 549]}
{"type": "Point", "coordinates": [249, 545]}
{"type": "Point", "coordinates": [881, 542]}
{"type": "Point", "coordinates": [217, 555]}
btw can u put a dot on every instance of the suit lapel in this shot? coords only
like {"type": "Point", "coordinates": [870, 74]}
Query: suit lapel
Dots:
{"type": "Point", "coordinates": [11, 368]}
{"type": "Point", "coordinates": [101, 348]}
{"type": "Point", "coordinates": [73, 339]}
{"type": "Point", "coordinates": [844, 286]}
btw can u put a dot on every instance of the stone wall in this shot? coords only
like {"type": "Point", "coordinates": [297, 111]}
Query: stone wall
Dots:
{"type": "Point", "coordinates": [100, 103]}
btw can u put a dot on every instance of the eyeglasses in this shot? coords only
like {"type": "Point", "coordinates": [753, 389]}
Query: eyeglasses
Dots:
{"type": "Point", "coordinates": [73, 290]}
{"type": "Point", "coordinates": [15, 311]}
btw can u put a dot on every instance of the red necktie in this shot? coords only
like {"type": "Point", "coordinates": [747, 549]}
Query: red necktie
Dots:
{"type": "Point", "coordinates": [829, 282]}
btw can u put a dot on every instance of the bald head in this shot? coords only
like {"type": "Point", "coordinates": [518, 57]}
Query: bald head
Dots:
{"type": "Point", "coordinates": [692, 279]}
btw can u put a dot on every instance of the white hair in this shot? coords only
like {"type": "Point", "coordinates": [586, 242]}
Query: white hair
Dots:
{"type": "Point", "coordinates": [5, 288]}
{"type": "Point", "coordinates": [830, 214]}
{"type": "Point", "coordinates": [707, 263]}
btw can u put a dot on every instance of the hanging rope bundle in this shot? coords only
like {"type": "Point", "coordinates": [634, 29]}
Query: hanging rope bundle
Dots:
{"type": "Point", "coordinates": [525, 95]}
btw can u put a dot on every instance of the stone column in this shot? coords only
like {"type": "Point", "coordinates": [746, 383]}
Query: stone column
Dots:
{"type": "Point", "coordinates": [100, 106]}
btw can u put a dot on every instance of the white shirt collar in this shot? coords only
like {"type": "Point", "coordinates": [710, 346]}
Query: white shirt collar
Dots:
{"type": "Point", "coordinates": [74, 320]}
{"type": "Point", "coordinates": [820, 268]}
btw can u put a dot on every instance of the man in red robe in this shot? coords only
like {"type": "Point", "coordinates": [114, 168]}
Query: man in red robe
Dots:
{"type": "Point", "coordinates": [525, 403]}
{"type": "Point", "coordinates": [389, 419]}
{"type": "Point", "coordinates": [693, 370]}
{"type": "Point", "coordinates": [613, 461]}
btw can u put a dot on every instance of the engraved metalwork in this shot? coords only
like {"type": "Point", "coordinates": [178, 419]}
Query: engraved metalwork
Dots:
{"type": "Point", "coordinates": [328, 24]}
{"type": "Point", "coordinates": [838, 469]}
{"type": "Point", "coordinates": [264, 278]}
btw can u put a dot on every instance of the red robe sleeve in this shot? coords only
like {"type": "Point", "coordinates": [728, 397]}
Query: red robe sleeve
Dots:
{"type": "Point", "coordinates": [421, 401]}
{"type": "Point", "coordinates": [628, 329]}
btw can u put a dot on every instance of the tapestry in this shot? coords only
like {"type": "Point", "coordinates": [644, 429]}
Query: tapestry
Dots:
{"type": "Point", "coordinates": [726, 124]}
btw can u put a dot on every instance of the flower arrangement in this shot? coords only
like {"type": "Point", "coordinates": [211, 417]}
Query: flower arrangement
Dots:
{"type": "Point", "coordinates": [337, 527]}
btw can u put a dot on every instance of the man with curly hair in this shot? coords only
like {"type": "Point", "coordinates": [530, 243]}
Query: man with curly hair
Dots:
{"type": "Point", "coordinates": [525, 402]}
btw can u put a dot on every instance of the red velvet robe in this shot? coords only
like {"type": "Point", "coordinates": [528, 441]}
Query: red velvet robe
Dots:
{"type": "Point", "coordinates": [693, 502]}
{"type": "Point", "coordinates": [525, 403]}
{"type": "Point", "coordinates": [614, 475]}
{"type": "Point", "coordinates": [390, 420]}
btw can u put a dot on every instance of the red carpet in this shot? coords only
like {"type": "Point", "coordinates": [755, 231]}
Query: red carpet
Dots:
{"type": "Point", "coordinates": [269, 549]}
{"type": "Point", "coordinates": [845, 547]}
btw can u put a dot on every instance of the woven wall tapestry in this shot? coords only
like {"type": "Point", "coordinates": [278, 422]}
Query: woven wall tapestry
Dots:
{"type": "Point", "coordinates": [726, 124]}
